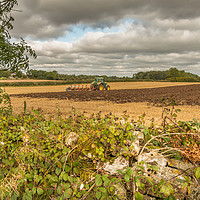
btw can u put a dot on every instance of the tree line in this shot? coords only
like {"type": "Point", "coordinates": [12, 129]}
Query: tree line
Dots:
{"type": "Point", "coordinates": [54, 75]}
{"type": "Point", "coordinates": [173, 74]}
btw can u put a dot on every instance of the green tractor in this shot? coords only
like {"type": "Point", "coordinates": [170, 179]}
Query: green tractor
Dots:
{"type": "Point", "coordinates": [99, 84]}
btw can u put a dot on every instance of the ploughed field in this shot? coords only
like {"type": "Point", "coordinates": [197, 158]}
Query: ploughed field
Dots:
{"type": "Point", "coordinates": [183, 95]}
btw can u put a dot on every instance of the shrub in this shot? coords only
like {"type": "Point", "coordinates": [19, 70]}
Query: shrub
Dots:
{"type": "Point", "coordinates": [56, 158]}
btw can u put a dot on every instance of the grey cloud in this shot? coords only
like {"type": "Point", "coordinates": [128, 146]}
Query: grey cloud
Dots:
{"type": "Point", "coordinates": [41, 18]}
{"type": "Point", "coordinates": [138, 39]}
{"type": "Point", "coordinates": [165, 34]}
{"type": "Point", "coordinates": [181, 24]}
{"type": "Point", "coordinates": [120, 64]}
{"type": "Point", "coordinates": [73, 11]}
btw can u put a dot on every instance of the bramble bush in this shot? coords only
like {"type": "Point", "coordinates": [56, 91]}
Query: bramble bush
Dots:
{"type": "Point", "coordinates": [64, 158]}
{"type": "Point", "coordinates": [5, 103]}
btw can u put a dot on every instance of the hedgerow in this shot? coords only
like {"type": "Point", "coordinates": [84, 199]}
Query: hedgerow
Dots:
{"type": "Point", "coordinates": [42, 83]}
{"type": "Point", "coordinates": [64, 158]}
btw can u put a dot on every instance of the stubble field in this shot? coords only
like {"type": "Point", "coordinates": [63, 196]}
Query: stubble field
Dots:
{"type": "Point", "coordinates": [135, 98]}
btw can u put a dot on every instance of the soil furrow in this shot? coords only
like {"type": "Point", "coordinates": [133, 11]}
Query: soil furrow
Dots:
{"type": "Point", "coordinates": [181, 95]}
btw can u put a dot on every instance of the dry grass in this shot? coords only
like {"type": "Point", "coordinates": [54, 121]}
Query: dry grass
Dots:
{"type": "Point", "coordinates": [51, 107]}
{"type": "Point", "coordinates": [35, 89]}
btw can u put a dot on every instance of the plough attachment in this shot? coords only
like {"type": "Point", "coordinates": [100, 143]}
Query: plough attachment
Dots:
{"type": "Point", "coordinates": [78, 88]}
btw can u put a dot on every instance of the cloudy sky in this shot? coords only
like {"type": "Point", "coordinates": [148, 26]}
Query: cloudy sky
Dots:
{"type": "Point", "coordinates": [112, 37]}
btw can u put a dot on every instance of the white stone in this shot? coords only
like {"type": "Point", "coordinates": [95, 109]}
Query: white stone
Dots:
{"type": "Point", "coordinates": [119, 164]}
{"type": "Point", "coordinates": [136, 146]}
{"type": "Point", "coordinates": [72, 137]}
{"type": "Point", "coordinates": [153, 156]}
{"type": "Point", "coordinates": [139, 135]}
{"type": "Point", "coordinates": [81, 186]}
{"type": "Point", "coordinates": [122, 121]}
{"type": "Point", "coordinates": [89, 155]}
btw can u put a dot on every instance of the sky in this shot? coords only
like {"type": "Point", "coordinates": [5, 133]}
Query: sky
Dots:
{"type": "Point", "coordinates": [110, 37]}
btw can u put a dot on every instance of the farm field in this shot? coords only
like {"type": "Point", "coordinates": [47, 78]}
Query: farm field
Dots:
{"type": "Point", "coordinates": [135, 98]}
{"type": "Point", "coordinates": [114, 86]}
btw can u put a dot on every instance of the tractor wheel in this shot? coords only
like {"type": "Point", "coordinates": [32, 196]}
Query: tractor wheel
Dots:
{"type": "Point", "coordinates": [108, 87]}
{"type": "Point", "coordinates": [101, 87]}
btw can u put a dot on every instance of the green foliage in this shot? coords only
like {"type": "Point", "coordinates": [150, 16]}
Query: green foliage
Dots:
{"type": "Point", "coordinates": [184, 79]}
{"type": "Point", "coordinates": [13, 56]}
{"type": "Point", "coordinates": [172, 74]}
{"type": "Point", "coordinates": [46, 158]}
{"type": "Point", "coordinates": [138, 196]}
{"type": "Point", "coordinates": [44, 83]}
{"type": "Point", "coordinates": [197, 172]}
{"type": "Point", "coordinates": [41, 74]}
{"type": "Point", "coordinates": [35, 156]}
{"type": "Point", "coordinates": [71, 79]}
{"type": "Point", "coordinates": [5, 103]}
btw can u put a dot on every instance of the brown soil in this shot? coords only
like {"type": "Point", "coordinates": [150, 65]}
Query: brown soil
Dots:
{"type": "Point", "coordinates": [183, 95]}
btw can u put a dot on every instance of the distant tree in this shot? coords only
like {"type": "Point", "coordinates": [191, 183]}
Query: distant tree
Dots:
{"type": "Point", "coordinates": [52, 75]}
{"type": "Point", "coordinates": [36, 74]}
{"type": "Point", "coordinates": [140, 75]}
{"type": "Point", "coordinates": [13, 56]}
{"type": "Point", "coordinates": [173, 72]}
{"type": "Point", "coordinates": [41, 74]}
{"type": "Point", "coordinates": [156, 75]}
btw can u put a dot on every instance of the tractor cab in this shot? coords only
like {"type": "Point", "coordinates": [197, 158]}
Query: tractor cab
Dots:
{"type": "Point", "coordinates": [99, 79]}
